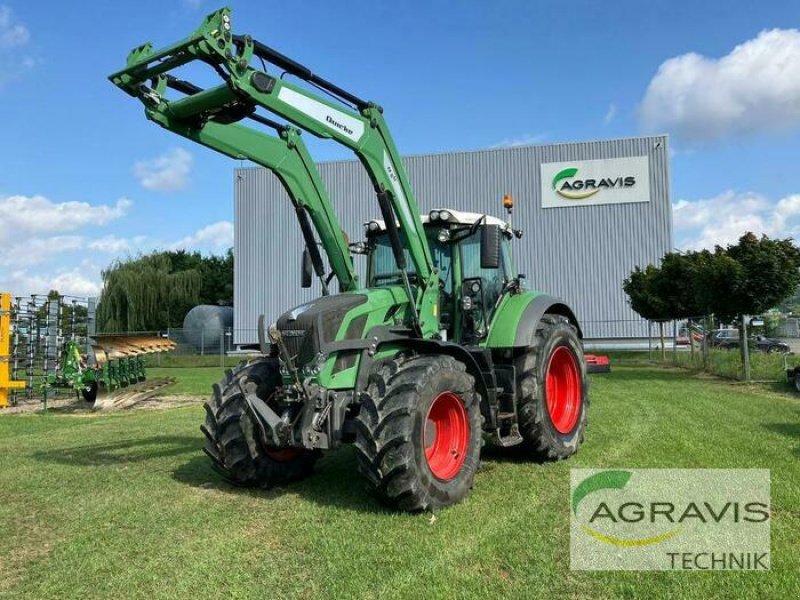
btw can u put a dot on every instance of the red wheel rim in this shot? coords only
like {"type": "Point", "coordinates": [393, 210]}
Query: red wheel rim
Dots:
{"type": "Point", "coordinates": [446, 435]}
{"type": "Point", "coordinates": [282, 455]}
{"type": "Point", "coordinates": [563, 389]}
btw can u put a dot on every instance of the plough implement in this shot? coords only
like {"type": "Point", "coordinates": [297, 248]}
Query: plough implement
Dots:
{"type": "Point", "coordinates": [48, 346]}
{"type": "Point", "coordinates": [116, 375]}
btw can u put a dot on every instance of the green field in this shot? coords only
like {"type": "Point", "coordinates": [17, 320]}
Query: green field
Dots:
{"type": "Point", "coordinates": [126, 505]}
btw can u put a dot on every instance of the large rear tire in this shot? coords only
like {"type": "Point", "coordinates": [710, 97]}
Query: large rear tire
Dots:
{"type": "Point", "coordinates": [232, 442]}
{"type": "Point", "coordinates": [418, 436]}
{"type": "Point", "coordinates": [553, 390]}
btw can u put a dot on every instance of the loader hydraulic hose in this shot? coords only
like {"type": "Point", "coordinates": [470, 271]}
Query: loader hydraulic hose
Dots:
{"type": "Point", "coordinates": [295, 68]}
{"type": "Point", "coordinates": [399, 253]}
{"type": "Point", "coordinates": [313, 250]}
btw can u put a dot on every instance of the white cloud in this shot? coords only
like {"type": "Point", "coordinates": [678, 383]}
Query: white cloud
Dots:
{"type": "Point", "coordinates": [30, 215]}
{"type": "Point", "coordinates": [71, 282]}
{"type": "Point", "coordinates": [112, 244]}
{"type": "Point", "coordinates": [36, 231]}
{"type": "Point", "coordinates": [217, 236]}
{"type": "Point", "coordinates": [523, 140]}
{"type": "Point", "coordinates": [36, 250]}
{"type": "Point", "coordinates": [755, 88]}
{"type": "Point", "coordinates": [724, 218]}
{"type": "Point", "coordinates": [14, 56]}
{"type": "Point", "coordinates": [610, 114]}
{"type": "Point", "coordinates": [12, 33]}
{"type": "Point", "coordinates": [166, 173]}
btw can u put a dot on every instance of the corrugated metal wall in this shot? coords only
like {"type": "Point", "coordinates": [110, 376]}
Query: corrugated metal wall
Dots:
{"type": "Point", "coordinates": [581, 254]}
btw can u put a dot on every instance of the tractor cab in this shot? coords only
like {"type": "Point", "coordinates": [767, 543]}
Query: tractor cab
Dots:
{"type": "Point", "coordinates": [472, 254]}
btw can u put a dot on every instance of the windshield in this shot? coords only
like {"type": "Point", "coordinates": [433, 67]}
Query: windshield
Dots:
{"type": "Point", "coordinates": [383, 268]}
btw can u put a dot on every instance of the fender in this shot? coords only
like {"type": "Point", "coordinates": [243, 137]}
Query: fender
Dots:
{"type": "Point", "coordinates": [421, 346]}
{"type": "Point", "coordinates": [514, 323]}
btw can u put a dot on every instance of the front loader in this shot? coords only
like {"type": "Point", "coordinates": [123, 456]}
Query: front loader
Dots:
{"type": "Point", "coordinates": [440, 350]}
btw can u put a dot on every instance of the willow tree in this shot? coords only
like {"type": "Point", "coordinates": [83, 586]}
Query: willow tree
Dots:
{"type": "Point", "coordinates": [140, 294]}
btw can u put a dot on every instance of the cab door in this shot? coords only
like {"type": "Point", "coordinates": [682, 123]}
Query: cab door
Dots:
{"type": "Point", "coordinates": [481, 288]}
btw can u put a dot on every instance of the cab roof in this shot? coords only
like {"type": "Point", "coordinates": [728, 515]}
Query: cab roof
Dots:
{"type": "Point", "coordinates": [456, 217]}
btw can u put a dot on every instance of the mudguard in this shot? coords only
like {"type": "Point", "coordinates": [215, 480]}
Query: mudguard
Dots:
{"type": "Point", "coordinates": [514, 323]}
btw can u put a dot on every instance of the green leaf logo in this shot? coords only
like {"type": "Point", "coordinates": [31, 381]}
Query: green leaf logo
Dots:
{"type": "Point", "coordinates": [610, 480]}
{"type": "Point", "coordinates": [567, 174]}
{"type": "Point", "coordinates": [599, 481]}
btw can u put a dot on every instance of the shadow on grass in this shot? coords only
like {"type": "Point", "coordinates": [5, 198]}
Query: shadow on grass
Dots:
{"type": "Point", "coordinates": [335, 482]}
{"type": "Point", "coordinates": [790, 430]}
{"type": "Point", "coordinates": [123, 452]}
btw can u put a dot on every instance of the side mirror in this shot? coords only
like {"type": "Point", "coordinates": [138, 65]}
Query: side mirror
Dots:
{"type": "Point", "coordinates": [490, 247]}
{"type": "Point", "coordinates": [305, 269]}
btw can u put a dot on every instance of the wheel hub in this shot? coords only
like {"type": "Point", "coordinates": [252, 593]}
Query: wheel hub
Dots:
{"type": "Point", "coordinates": [563, 390]}
{"type": "Point", "coordinates": [446, 435]}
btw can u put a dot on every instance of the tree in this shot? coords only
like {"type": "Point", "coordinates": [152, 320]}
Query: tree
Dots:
{"type": "Point", "coordinates": [746, 278]}
{"type": "Point", "coordinates": [675, 284]}
{"type": "Point", "coordinates": [149, 292]}
{"type": "Point", "coordinates": [767, 271]}
{"type": "Point", "coordinates": [644, 297]}
{"type": "Point", "coordinates": [770, 272]}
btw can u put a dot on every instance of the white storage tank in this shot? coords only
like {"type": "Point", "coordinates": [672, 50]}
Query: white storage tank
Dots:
{"type": "Point", "coordinates": [204, 326]}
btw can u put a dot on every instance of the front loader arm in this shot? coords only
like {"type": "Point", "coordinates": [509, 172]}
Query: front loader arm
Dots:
{"type": "Point", "coordinates": [286, 155]}
{"type": "Point", "coordinates": [361, 128]}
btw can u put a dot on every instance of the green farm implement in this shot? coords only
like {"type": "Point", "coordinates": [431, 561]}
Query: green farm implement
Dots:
{"type": "Point", "coordinates": [115, 376]}
{"type": "Point", "coordinates": [48, 346]}
{"type": "Point", "coordinates": [440, 349]}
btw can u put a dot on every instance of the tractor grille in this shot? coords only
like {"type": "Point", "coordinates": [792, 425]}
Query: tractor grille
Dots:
{"type": "Point", "coordinates": [299, 344]}
{"type": "Point", "coordinates": [306, 328]}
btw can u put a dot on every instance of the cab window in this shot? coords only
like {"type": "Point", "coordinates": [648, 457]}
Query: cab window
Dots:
{"type": "Point", "coordinates": [492, 279]}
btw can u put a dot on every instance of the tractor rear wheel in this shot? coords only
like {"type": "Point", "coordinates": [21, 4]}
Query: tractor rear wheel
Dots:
{"type": "Point", "coordinates": [553, 390]}
{"type": "Point", "coordinates": [232, 441]}
{"type": "Point", "coordinates": [418, 436]}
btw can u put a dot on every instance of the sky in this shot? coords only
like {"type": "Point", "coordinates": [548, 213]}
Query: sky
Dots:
{"type": "Point", "coordinates": [85, 179]}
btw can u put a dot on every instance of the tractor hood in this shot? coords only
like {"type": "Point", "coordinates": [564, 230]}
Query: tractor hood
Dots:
{"type": "Point", "coordinates": [309, 328]}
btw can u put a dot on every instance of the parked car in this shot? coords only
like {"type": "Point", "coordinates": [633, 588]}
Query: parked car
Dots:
{"type": "Point", "coordinates": [765, 344]}
{"type": "Point", "coordinates": [728, 339]}
{"type": "Point", "coordinates": [682, 339]}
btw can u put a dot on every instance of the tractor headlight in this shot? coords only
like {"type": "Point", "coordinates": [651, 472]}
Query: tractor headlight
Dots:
{"type": "Point", "coordinates": [443, 235]}
{"type": "Point", "coordinates": [314, 368]}
{"type": "Point", "coordinates": [445, 215]}
{"type": "Point", "coordinates": [373, 226]}
{"type": "Point", "coordinates": [434, 216]}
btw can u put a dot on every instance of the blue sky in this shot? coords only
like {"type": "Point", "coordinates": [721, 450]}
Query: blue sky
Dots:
{"type": "Point", "coordinates": [84, 178]}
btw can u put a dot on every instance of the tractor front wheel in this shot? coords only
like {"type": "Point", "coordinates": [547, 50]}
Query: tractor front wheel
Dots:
{"type": "Point", "coordinates": [418, 435]}
{"type": "Point", "coordinates": [553, 390]}
{"type": "Point", "coordinates": [232, 442]}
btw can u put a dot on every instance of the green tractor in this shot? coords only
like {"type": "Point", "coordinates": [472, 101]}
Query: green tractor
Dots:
{"type": "Point", "coordinates": [440, 349]}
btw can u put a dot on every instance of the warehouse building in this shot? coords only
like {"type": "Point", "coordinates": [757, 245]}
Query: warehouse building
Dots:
{"type": "Point", "coordinates": [590, 212]}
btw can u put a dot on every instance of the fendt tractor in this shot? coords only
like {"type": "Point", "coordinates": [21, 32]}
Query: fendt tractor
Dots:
{"type": "Point", "coordinates": [441, 349]}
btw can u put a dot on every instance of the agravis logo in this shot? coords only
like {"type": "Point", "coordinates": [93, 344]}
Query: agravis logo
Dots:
{"type": "Point", "coordinates": [670, 519]}
{"type": "Point", "coordinates": [617, 480]}
{"type": "Point", "coordinates": [567, 184]}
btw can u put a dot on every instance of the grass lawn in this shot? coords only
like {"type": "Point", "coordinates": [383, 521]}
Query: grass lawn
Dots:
{"type": "Point", "coordinates": [126, 505]}
{"type": "Point", "coordinates": [194, 382]}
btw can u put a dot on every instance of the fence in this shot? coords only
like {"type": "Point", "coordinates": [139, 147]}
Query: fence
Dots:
{"type": "Point", "coordinates": [209, 347]}
{"type": "Point", "coordinates": [693, 344]}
